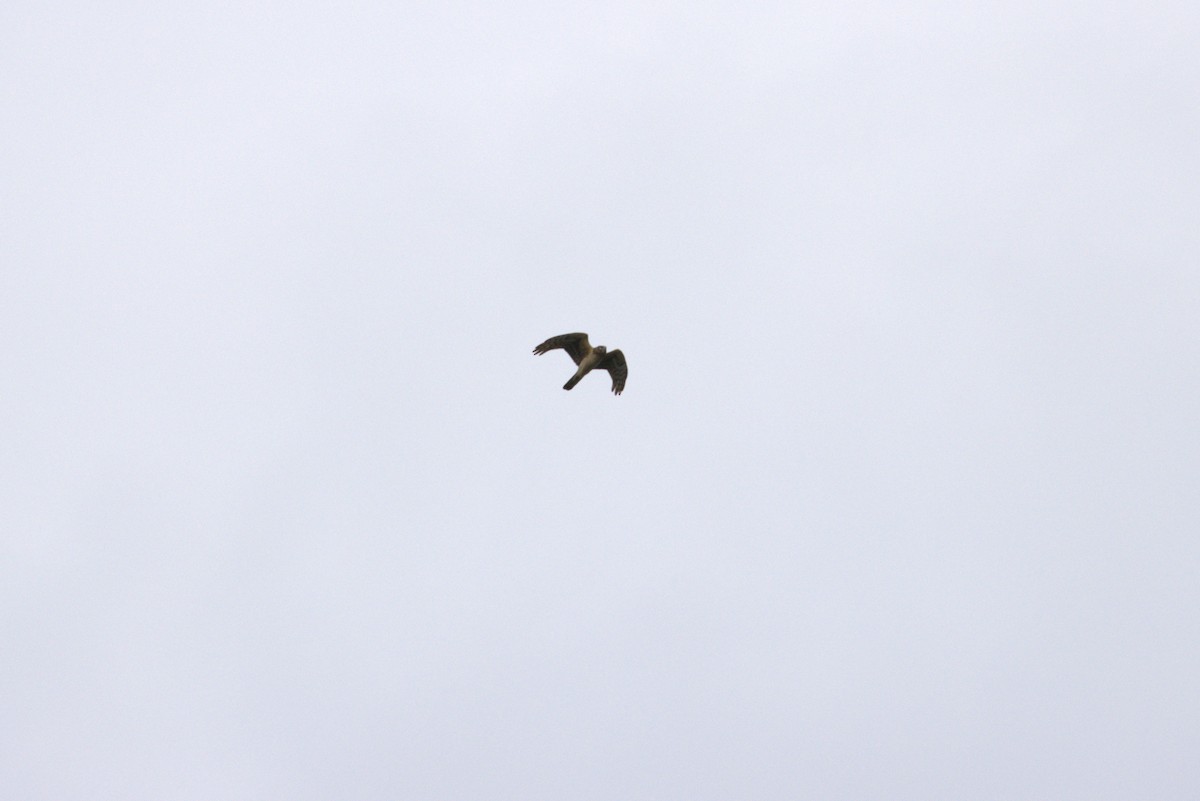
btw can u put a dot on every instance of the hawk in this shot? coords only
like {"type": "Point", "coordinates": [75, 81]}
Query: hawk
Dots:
{"type": "Point", "coordinates": [588, 359]}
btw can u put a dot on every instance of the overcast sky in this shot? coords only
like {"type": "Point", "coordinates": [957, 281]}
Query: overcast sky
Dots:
{"type": "Point", "coordinates": [900, 501]}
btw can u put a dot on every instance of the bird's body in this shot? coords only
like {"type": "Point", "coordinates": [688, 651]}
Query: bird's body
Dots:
{"type": "Point", "coordinates": [588, 358]}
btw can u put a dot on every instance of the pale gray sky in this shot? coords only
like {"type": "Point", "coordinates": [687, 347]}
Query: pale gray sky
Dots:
{"type": "Point", "coordinates": [900, 501]}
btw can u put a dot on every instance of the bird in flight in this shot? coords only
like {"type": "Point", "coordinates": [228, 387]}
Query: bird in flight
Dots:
{"type": "Point", "coordinates": [588, 359]}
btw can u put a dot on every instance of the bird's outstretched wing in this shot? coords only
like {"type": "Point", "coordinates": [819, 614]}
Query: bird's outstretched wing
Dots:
{"type": "Point", "coordinates": [614, 363]}
{"type": "Point", "coordinates": [576, 346]}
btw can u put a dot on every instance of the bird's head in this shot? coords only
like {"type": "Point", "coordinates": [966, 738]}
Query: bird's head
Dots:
{"type": "Point", "coordinates": [600, 349]}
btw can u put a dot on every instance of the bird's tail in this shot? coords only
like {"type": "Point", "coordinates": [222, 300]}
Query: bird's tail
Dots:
{"type": "Point", "coordinates": [574, 380]}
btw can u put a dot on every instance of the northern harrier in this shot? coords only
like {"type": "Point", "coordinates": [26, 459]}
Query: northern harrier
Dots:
{"type": "Point", "coordinates": [588, 359]}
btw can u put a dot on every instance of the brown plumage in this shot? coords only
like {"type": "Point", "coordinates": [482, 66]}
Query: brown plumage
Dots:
{"type": "Point", "coordinates": [588, 358]}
